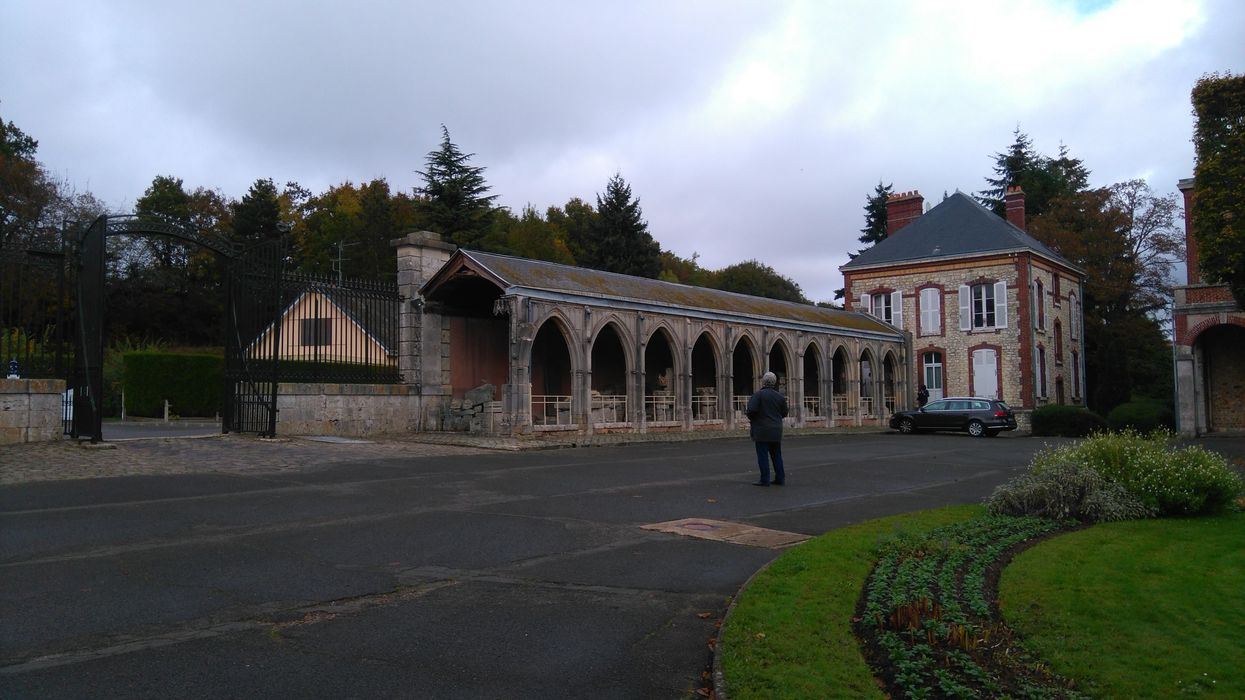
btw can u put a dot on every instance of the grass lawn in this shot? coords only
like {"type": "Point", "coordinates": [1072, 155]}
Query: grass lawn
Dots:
{"type": "Point", "coordinates": [1151, 608]}
{"type": "Point", "coordinates": [790, 634]}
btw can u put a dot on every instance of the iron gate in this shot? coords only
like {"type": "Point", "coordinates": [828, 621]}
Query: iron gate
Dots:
{"type": "Point", "coordinates": [253, 339]}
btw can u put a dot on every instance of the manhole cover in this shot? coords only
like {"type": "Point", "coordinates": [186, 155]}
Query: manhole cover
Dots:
{"type": "Point", "coordinates": [723, 531]}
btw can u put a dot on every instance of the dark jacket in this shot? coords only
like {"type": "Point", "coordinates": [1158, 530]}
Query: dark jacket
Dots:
{"type": "Point", "coordinates": [766, 409]}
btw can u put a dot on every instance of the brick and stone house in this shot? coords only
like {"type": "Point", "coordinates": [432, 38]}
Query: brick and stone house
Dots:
{"type": "Point", "coordinates": [1209, 337]}
{"type": "Point", "coordinates": [990, 310]}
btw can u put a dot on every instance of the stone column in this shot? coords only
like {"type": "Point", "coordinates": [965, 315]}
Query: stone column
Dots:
{"type": "Point", "coordinates": [421, 255]}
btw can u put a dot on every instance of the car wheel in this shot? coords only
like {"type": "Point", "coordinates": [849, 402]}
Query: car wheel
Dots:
{"type": "Point", "coordinates": [976, 429]}
{"type": "Point", "coordinates": [907, 427]}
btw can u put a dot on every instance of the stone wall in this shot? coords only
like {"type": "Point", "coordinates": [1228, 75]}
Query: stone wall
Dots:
{"type": "Point", "coordinates": [30, 410]}
{"type": "Point", "coordinates": [354, 410]}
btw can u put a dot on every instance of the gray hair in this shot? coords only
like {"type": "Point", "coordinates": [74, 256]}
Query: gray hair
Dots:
{"type": "Point", "coordinates": [769, 379]}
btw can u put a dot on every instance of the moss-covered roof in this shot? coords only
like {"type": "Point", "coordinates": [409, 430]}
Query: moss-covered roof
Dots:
{"type": "Point", "coordinates": [511, 272]}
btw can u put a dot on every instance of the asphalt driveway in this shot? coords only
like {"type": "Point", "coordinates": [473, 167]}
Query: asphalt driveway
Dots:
{"type": "Point", "coordinates": [483, 575]}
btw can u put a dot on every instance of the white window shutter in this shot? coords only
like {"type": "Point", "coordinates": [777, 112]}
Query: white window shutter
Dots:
{"type": "Point", "coordinates": [897, 309]}
{"type": "Point", "coordinates": [966, 308]}
{"type": "Point", "coordinates": [864, 304]}
{"type": "Point", "coordinates": [936, 311]}
{"type": "Point", "coordinates": [1000, 304]}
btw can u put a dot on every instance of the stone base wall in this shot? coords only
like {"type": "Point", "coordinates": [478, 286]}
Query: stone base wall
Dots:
{"type": "Point", "coordinates": [348, 410]}
{"type": "Point", "coordinates": [30, 410]}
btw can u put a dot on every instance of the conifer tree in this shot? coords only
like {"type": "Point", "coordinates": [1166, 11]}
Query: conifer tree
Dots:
{"type": "Point", "coordinates": [1043, 179]}
{"type": "Point", "coordinates": [456, 201]}
{"type": "Point", "coordinates": [622, 241]}
{"type": "Point", "coordinates": [875, 214]}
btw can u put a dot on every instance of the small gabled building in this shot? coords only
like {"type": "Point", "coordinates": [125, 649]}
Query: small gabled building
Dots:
{"type": "Point", "coordinates": [991, 311]}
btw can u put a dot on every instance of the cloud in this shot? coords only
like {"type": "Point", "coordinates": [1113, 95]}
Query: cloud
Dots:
{"type": "Point", "coordinates": [748, 130]}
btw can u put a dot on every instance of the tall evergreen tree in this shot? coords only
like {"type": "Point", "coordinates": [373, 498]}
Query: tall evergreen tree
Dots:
{"type": "Point", "coordinates": [456, 202]}
{"type": "Point", "coordinates": [875, 214]}
{"type": "Point", "coordinates": [621, 236]}
{"type": "Point", "coordinates": [875, 222]}
{"type": "Point", "coordinates": [1042, 178]}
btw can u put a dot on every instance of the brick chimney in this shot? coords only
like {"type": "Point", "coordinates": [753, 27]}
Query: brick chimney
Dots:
{"type": "Point", "coordinates": [1014, 200]}
{"type": "Point", "coordinates": [1190, 243]}
{"type": "Point", "coordinates": [902, 209]}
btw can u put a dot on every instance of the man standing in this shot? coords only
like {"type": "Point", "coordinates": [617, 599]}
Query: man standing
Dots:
{"type": "Point", "coordinates": [766, 409]}
{"type": "Point", "coordinates": [922, 395]}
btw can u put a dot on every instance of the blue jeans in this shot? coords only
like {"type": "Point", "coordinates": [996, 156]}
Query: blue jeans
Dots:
{"type": "Point", "coordinates": [765, 452]}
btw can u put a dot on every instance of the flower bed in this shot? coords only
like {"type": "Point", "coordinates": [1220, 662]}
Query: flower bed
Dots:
{"type": "Point", "coordinates": [928, 621]}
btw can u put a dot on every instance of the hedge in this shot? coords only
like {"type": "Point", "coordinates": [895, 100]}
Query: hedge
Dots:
{"type": "Point", "coordinates": [1066, 421]}
{"type": "Point", "coordinates": [192, 383]}
{"type": "Point", "coordinates": [1143, 416]}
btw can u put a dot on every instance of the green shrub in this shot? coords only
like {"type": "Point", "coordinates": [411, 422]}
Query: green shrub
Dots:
{"type": "Point", "coordinates": [1066, 421]}
{"type": "Point", "coordinates": [192, 383]}
{"type": "Point", "coordinates": [1187, 481]}
{"type": "Point", "coordinates": [1144, 416]}
{"type": "Point", "coordinates": [1067, 491]}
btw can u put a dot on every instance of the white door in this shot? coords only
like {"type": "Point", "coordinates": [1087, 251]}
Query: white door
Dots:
{"type": "Point", "coordinates": [933, 374]}
{"type": "Point", "coordinates": [985, 374]}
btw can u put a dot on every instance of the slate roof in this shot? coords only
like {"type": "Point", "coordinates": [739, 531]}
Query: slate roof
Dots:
{"type": "Point", "coordinates": [959, 226]}
{"type": "Point", "coordinates": [554, 280]}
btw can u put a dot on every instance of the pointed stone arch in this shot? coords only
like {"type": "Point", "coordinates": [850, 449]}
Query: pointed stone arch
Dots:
{"type": "Point", "coordinates": [552, 364]}
{"type": "Point", "coordinates": [812, 374]}
{"type": "Point", "coordinates": [868, 372]}
{"type": "Point", "coordinates": [780, 360]}
{"type": "Point", "coordinates": [609, 372]}
{"type": "Point", "coordinates": [745, 367]}
{"type": "Point", "coordinates": [891, 382]}
{"type": "Point", "coordinates": [662, 369]}
{"type": "Point", "coordinates": [706, 372]}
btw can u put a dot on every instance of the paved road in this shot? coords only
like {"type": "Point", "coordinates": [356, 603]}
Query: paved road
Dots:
{"type": "Point", "coordinates": [473, 575]}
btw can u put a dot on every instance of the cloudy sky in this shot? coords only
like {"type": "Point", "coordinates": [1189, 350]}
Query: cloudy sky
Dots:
{"type": "Point", "coordinates": [749, 130]}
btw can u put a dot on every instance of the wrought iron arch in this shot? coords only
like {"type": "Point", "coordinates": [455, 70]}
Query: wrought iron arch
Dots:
{"type": "Point", "coordinates": [249, 275]}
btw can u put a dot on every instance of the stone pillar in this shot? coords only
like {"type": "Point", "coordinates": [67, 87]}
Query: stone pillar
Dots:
{"type": "Point", "coordinates": [421, 254]}
{"type": "Point", "coordinates": [1186, 392]}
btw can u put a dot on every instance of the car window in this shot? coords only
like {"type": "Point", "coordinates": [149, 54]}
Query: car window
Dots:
{"type": "Point", "coordinates": [959, 405]}
{"type": "Point", "coordinates": [936, 406]}
{"type": "Point", "coordinates": [1004, 406]}
{"type": "Point", "coordinates": [981, 405]}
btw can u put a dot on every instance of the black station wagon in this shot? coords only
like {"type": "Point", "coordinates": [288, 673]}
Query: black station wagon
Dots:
{"type": "Point", "coordinates": [977, 416]}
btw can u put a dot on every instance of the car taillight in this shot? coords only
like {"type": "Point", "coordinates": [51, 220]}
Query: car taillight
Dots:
{"type": "Point", "coordinates": [1000, 414]}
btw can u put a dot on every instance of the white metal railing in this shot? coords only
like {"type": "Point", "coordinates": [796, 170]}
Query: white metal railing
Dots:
{"type": "Point", "coordinates": [550, 409]}
{"type": "Point", "coordinates": [866, 406]}
{"type": "Point", "coordinates": [888, 400]}
{"type": "Point", "coordinates": [659, 408]}
{"type": "Point", "coordinates": [609, 408]}
{"type": "Point", "coordinates": [812, 407]}
{"type": "Point", "coordinates": [839, 405]}
{"type": "Point", "coordinates": [704, 407]}
{"type": "Point", "coordinates": [739, 404]}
